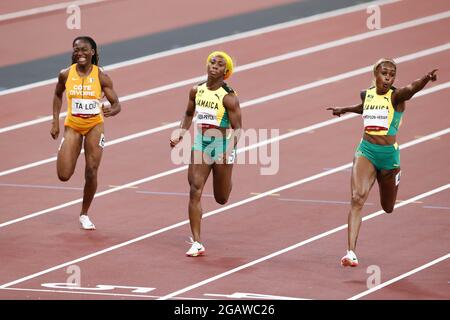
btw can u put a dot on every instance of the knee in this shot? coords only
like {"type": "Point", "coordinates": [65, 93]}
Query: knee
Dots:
{"type": "Point", "coordinates": [358, 199]}
{"type": "Point", "coordinates": [222, 196]}
{"type": "Point", "coordinates": [388, 208]}
{"type": "Point", "coordinates": [64, 176]}
{"type": "Point", "coordinates": [221, 199]}
{"type": "Point", "coordinates": [91, 173]}
{"type": "Point", "coordinates": [195, 192]}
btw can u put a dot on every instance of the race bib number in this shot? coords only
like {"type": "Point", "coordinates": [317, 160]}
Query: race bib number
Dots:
{"type": "Point", "coordinates": [101, 142]}
{"type": "Point", "coordinates": [376, 120]}
{"type": "Point", "coordinates": [85, 107]}
{"type": "Point", "coordinates": [206, 116]}
{"type": "Point", "coordinates": [397, 178]}
{"type": "Point", "coordinates": [232, 157]}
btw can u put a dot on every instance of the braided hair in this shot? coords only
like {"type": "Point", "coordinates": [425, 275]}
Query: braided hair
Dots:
{"type": "Point", "coordinates": [95, 57]}
{"type": "Point", "coordinates": [381, 61]}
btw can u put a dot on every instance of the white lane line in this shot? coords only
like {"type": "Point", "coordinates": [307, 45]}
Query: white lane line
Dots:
{"type": "Point", "coordinates": [95, 293]}
{"type": "Point", "coordinates": [320, 201]}
{"type": "Point", "coordinates": [249, 295]}
{"type": "Point", "coordinates": [270, 97]}
{"type": "Point", "coordinates": [400, 277]}
{"type": "Point", "coordinates": [45, 9]}
{"type": "Point", "coordinates": [256, 64]}
{"type": "Point", "coordinates": [436, 207]}
{"type": "Point", "coordinates": [37, 186]}
{"type": "Point", "coordinates": [217, 41]}
{"type": "Point", "coordinates": [183, 194]}
{"type": "Point", "coordinates": [233, 205]}
{"type": "Point", "coordinates": [297, 245]}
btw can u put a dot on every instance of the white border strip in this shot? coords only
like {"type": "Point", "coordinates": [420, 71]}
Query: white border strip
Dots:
{"type": "Point", "coordinates": [217, 41]}
{"type": "Point", "coordinates": [257, 64]}
{"type": "Point", "coordinates": [236, 204]}
{"type": "Point", "coordinates": [407, 274]}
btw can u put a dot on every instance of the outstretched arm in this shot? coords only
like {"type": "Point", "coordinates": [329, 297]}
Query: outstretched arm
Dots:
{"type": "Point", "coordinates": [186, 122]}
{"type": "Point", "coordinates": [358, 108]}
{"type": "Point", "coordinates": [57, 102]}
{"type": "Point", "coordinates": [406, 93]}
{"type": "Point", "coordinates": [111, 95]}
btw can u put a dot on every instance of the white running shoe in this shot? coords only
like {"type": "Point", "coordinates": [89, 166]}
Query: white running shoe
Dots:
{"type": "Point", "coordinates": [196, 249]}
{"type": "Point", "coordinates": [349, 260]}
{"type": "Point", "coordinates": [86, 223]}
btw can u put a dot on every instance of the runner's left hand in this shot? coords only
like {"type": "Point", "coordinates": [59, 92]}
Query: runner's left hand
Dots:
{"type": "Point", "coordinates": [432, 76]}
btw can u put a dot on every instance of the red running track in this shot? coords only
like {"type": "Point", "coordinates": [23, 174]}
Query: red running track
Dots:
{"type": "Point", "coordinates": [409, 238]}
{"type": "Point", "coordinates": [109, 20]}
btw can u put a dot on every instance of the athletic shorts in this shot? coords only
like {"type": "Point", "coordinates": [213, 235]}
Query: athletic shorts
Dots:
{"type": "Point", "coordinates": [82, 125]}
{"type": "Point", "coordinates": [214, 147]}
{"type": "Point", "coordinates": [383, 157]}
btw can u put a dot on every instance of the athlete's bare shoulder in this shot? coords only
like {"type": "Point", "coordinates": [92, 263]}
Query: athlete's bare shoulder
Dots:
{"type": "Point", "coordinates": [63, 74]}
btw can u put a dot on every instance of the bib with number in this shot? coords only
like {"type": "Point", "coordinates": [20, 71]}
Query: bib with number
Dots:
{"type": "Point", "coordinates": [209, 106]}
{"type": "Point", "coordinates": [379, 115]}
{"type": "Point", "coordinates": [85, 107]}
{"type": "Point", "coordinates": [83, 93]}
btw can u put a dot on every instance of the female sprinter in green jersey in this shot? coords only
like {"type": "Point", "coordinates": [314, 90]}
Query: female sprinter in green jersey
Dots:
{"type": "Point", "coordinates": [216, 108]}
{"type": "Point", "coordinates": [377, 157]}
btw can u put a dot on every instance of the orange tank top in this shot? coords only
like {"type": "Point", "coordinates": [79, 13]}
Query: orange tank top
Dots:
{"type": "Point", "coordinates": [83, 96]}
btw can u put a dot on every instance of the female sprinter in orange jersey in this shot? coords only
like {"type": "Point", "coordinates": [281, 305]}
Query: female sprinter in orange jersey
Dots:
{"type": "Point", "coordinates": [216, 107]}
{"type": "Point", "coordinates": [377, 156]}
{"type": "Point", "coordinates": [85, 85]}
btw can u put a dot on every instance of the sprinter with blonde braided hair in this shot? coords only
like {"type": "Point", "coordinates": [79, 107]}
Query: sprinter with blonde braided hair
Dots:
{"type": "Point", "coordinates": [216, 109]}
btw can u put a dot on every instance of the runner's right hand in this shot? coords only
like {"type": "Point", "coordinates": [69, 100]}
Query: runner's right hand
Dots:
{"type": "Point", "coordinates": [337, 111]}
{"type": "Point", "coordinates": [174, 142]}
{"type": "Point", "coordinates": [54, 132]}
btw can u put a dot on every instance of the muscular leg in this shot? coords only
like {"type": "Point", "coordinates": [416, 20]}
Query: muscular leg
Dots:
{"type": "Point", "coordinates": [388, 185]}
{"type": "Point", "coordinates": [93, 154]}
{"type": "Point", "coordinates": [198, 173]}
{"type": "Point", "coordinates": [222, 182]}
{"type": "Point", "coordinates": [363, 178]}
{"type": "Point", "coordinates": [68, 154]}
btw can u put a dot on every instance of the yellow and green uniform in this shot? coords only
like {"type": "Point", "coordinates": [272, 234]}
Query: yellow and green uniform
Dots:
{"type": "Point", "coordinates": [209, 106]}
{"type": "Point", "coordinates": [83, 100]}
{"type": "Point", "coordinates": [211, 112]}
{"type": "Point", "coordinates": [381, 119]}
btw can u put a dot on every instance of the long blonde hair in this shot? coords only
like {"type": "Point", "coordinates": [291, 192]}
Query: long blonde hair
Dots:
{"type": "Point", "coordinates": [228, 60]}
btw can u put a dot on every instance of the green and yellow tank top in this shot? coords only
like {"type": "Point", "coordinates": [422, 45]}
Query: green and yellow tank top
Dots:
{"type": "Point", "coordinates": [380, 117]}
{"type": "Point", "coordinates": [83, 94]}
{"type": "Point", "coordinates": [209, 106]}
